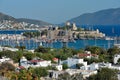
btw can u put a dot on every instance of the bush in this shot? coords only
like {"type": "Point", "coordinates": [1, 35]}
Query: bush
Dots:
{"type": "Point", "coordinates": [65, 66]}
{"type": "Point", "coordinates": [7, 66]}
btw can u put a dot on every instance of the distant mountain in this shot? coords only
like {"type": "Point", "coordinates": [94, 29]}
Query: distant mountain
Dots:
{"type": "Point", "coordinates": [103, 17]}
{"type": "Point", "coordinates": [38, 22]}
{"type": "Point", "coordinates": [31, 21]}
{"type": "Point", "coordinates": [6, 17]}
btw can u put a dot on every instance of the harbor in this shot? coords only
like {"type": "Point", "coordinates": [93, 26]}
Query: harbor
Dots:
{"type": "Point", "coordinates": [76, 44]}
{"type": "Point", "coordinates": [70, 36]}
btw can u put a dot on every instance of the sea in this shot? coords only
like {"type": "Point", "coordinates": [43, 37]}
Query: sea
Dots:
{"type": "Point", "coordinates": [109, 30]}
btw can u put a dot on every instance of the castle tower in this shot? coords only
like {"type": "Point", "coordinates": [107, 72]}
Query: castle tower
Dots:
{"type": "Point", "coordinates": [74, 27]}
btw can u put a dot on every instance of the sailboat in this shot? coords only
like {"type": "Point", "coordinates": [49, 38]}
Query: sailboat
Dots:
{"type": "Point", "coordinates": [41, 44]}
{"type": "Point", "coordinates": [116, 41]}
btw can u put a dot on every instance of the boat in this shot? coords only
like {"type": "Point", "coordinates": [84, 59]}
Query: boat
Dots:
{"type": "Point", "coordinates": [109, 38]}
{"type": "Point", "coordinates": [117, 45]}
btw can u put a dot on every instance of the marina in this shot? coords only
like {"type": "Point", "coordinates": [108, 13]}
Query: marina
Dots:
{"type": "Point", "coordinates": [14, 38]}
{"type": "Point", "coordinates": [77, 44]}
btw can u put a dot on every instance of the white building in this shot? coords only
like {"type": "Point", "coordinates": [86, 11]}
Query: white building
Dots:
{"type": "Point", "coordinates": [115, 67]}
{"type": "Point", "coordinates": [8, 48]}
{"type": "Point", "coordinates": [55, 74]}
{"type": "Point", "coordinates": [116, 58]}
{"type": "Point", "coordinates": [57, 66]}
{"type": "Point", "coordinates": [34, 63]}
{"type": "Point", "coordinates": [85, 73]}
{"type": "Point", "coordinates": [71, 62]}
{"type": "Point", "coordinates": [93, 66]}
{"type": "Point", "coordinates": [96, 66]}
{"type": "Point", "coordinates": [87, 54]}
{"type": "Point", "coordinates": [3, 59]}
{"type": "Point", "coordinates": [40, 63]}
{"type": "Point", "coordinates": [24, 62]}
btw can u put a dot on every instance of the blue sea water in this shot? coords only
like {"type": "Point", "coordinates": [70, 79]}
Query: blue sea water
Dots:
{"type": "Point", "coordinates": [14, 31]}
{"type": "Point", "coordinates": [112, 30]}
{"type": "Point", "coordinates": [83, 43]}
{"type": "Point", "coordinates": [109, 30]}
{"type": "Point", "coordinates": [30, 44]}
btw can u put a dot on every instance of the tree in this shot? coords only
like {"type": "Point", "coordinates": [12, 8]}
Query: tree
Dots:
{"type": "Point", "coordinates": [113, 50]}
{"type": "Point", "coordinates": [65, 66]}
{"type": "Point", "coordinates": [22, 75]}
{"type": "Point", "coordinates": [79, 65]}
{"type": "Point", "coordinates": [66, 76]}
{"type": "Point", "coordinates": [29, 55]}
{"type": "Point", "coordinates": [47, 56]}
{"type": "Point", "coordinates": [91, 60]}
{"type": "Point", "coordinates": [42, 49]}
{"type": "Point", "coordinates": [7, 66]}
{"type": "Point", "coordinates": [118, 61]}
{"type": "Point", "coordinates": [31, 34]}
{"type": "Point", "coordinates": [14, 76]}
{"type": "Point", "coordinates": [40, 72]}
{"type": "Point", "coordinates": [105, 74]}
{"type": "Point", "coordinates": [74, 52]}
{"type": "Point", "coordinates": [92, 77]}
{"type": "Point", "coordinates": [95, 49]}
{"type": "Point", "coordinates": [13, 55]}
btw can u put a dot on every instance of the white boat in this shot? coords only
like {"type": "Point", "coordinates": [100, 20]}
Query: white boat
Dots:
{"type": "Point", "coordinates": [109, 38]}
{"type": "Point", "coordinates": [118, 45]}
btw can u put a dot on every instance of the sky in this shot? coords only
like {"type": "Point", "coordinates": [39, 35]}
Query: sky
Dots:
{"type": "Point", "coordinates": [54, 11]}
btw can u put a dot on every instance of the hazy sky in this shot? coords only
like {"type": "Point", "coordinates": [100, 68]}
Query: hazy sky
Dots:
{"type": "Point", "coordinates": [54, 11]}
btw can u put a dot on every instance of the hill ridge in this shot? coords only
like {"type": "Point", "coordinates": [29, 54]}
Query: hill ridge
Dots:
{"type": "Point", "coordinates": [31, 21]}
{"type": "Point", "coordinates": [102, 17]}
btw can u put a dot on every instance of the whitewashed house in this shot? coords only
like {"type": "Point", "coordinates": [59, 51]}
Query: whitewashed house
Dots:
{"type": "Point", "coordinates": [8, 48]}
{"type": "Point", "coordinates": [40, 63]}
{"type": "Point", "coordinates": [85, 73]}
{"type": "Point", "coordinates": [93, 66]}
{"type": "Point", "coordinates": [24, 62]}
{"type": "Point", "coordinates": [34, 63]}
{"type": "Point", "coordinates": [3, 59]}
{"type": "Point", "coordinates": [116, 58]}
{"type": "Point", "coordinates": [55, 74]}
{"type": "Point", "coordinates": [96, 66]}
{"type": "Point", "coordinates": [87, 54]}
{"type": "Point", "coordinates": [71, 62]}
{"type": "Point", "coordinates": [57, 66]}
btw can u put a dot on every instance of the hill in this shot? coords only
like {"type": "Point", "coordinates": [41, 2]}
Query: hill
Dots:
{"type": "Point", "coordinates": [103, 17]}
{"type": "Point", "coordinates": [31, 21]}
{"type": "Point", "coordinates": [38, 22]}
{"type": "Point", "coordinates": [6, 17]}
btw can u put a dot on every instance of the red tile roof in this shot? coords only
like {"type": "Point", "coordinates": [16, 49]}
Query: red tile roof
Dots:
{"type": "Point", "coordinates": [21, 67]}
{"type": "Point", "coordinates": [55, 58]}
{"type": "Point", "coordinates": [33, 61]}
{"type": "Point", "coordinates": [85, 55]}
{"type": "Point", "coordinates": [94, 55]}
